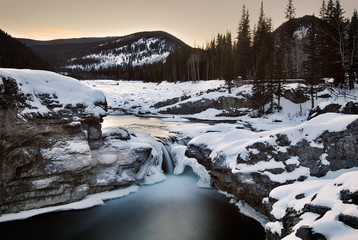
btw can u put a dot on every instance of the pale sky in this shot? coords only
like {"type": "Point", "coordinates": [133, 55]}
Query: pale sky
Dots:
{"type": "Point", "coordinates": [193, 21]}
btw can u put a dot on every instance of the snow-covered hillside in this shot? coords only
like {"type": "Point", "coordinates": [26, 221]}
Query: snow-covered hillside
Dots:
{"type": "Point", "coordinates": [115, 54]}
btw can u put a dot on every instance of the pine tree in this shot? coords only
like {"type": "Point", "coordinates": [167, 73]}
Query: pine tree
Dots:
{"type": "Point", "coordinates": [263, 47]}
{"type": "Point", "coordinates": [352, 49]}
{"type": "Point", "coordinates": [244, 45]}
{"type": "Point", "coordinates": [311, 64]}
{"type": "Point", "coordinates": [333, 42]}
{"type": "Point", "coordinates": [289, 41]}
{"type": "Point", "coordinates": [279, 73]}
{"type": "Point", "coordinates": [228, 67]}
{"type": "Point", "coordinates": [290, 11]}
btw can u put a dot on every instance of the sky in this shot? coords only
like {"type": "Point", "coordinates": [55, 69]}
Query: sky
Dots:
{"type": "Point", "coordinates": [193, 21]}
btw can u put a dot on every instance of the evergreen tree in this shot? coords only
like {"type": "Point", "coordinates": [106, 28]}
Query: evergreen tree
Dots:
{"type": "Point", "coordinates": [311, 64]}
{"type": "Point", "coordinates": [353, 49]}
{"type": "Point", "coordinates": [244, 45]}
{"type": "Point", "coordinates": [279, 73]}
{"type": "Point", "coordinates": [333, 42]}
{"type": "Point", "coordinates": [290, 11]}
{"type": "Point", "coordinates": [228, 67]}
{"type": "Point", "coordinates": [263, 47]}
{"type": "Point", "coordinates": [290, 53]}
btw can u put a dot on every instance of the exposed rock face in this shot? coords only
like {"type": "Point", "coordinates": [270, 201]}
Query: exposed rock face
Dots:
{"type": "Point", "coordinates": [278, 161]}
{"type": "Point", "coordinates": [59, 155]}
{"type": "Point", "coordinates": [349, 108]}
{"type": "Point", "coordinates": [231, 105]}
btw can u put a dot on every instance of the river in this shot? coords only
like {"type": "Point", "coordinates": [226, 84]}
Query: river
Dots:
{"type": "Point", "coordinates": [174, 209]}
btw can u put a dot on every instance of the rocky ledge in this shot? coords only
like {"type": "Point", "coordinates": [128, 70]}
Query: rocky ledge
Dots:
{"type": "Point", "coordinates": [281, 174]}
{"type": "Point", "coordinates": [52, 149]}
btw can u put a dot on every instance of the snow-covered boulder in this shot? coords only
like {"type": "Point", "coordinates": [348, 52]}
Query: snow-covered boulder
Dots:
{"type": "Point", "coordinates": [325, 208]}
{"type": "Point", "coordinates": [250, 164]}
{"type": "Point", "coordinates": [52, 150]}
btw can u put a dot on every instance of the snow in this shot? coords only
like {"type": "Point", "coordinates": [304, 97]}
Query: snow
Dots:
{"type": "Point", "coordinates": [139, 53]}
{"type": "Point", "coordinates": [233, 143]}
{"type": "Point", "coordinates": [327, 193]}
{"type": "Point", "coordinates": [301, 32]}
{"type": "Point", "coordinates": [63, 90]}
{"type": "Point", "coordinates": [178, 153]}
{"type": "Point", "coordinates": [88, 202]}
{"type": "Point", "coordinates": [226, 141]}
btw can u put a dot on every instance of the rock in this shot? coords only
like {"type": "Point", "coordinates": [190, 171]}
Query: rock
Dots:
{"type": "Point", "coordinates": [229, 104]}
{"type": "Point", "coordinates": [350, 108]}
{"type": "Point", "coordinates": [329, 108]}
{"type": "Point", "coordinates": [54, 153]}
{"type": "Point", "coordinates": [329, 151]}
{"type": "Point", "coordinates": [349, 220]}
{"type": "Point", "coordinates": [306, 233]}
{"type": "Point", "coordinates": [348, 197]}
{"type": "Point", "coordinates": [296, 95]}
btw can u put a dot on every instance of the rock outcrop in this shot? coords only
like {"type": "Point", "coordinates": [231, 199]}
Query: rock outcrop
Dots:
{"type": "Point", "coordinates": [52, 150]}
{"type": "Point", "coordinates": [349, 108]}
{"type": "Point", "coordinates": [280, 158]}
{"type": "Point", "coordinates": [231, 106]}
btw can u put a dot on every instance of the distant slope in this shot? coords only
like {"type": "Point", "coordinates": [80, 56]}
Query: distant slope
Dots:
{"type": "Point", "coordinates": [107, 57]}
{"type": "Point", "coordinates": [301, 26]}
{"type": "Point", "coordinates": [14, 54]}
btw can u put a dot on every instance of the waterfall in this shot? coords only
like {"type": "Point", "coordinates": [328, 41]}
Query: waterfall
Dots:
{"type": "Point", "coordinates": [174, 160]}
{"type": "Point", "coordinates": [168, 163]}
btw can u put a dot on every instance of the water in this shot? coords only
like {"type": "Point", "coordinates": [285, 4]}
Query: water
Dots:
{"type": "Point", "coordinates": [152, 125]}
{"type": "Point", "coordinates": [174, 209]}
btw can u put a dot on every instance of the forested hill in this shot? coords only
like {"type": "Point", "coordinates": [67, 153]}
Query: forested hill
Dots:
{"type": "Point", "coordinates": [14, 54]}
{"type": "Point", "coordinates": [135, 56]}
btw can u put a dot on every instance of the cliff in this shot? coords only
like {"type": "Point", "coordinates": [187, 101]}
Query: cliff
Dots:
{"type": "Point", "coordinates": [52, 149]}
{"type": "Point", "coordinates": [254, 165]}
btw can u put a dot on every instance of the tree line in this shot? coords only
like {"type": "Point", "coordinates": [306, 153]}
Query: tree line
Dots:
{"type": "Point", "coordinates": [14, 54]}
{"type": "Point", "coordinates": [268, 58]}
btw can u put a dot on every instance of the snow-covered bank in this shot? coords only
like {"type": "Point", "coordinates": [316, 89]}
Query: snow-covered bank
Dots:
{"type": "Point", "coordinates": [47, 92]}
{"type": "Point", "coordinates": [88, 202]}
{"type": "Point", "coordinates": [320, 206]}
{"type": "Point", "coordinates": [252, 156]}
{"type": "Point", "coordinates": [247, 157]}
{"type": "Point", "coordinates": [52, 150]}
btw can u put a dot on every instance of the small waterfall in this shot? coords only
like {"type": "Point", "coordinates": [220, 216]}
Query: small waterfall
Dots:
{"type": "Point", "coordinates": [168, 163]}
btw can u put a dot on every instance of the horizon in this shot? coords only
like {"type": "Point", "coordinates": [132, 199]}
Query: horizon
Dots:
{"type": "Point", "coordinates": [195, 23]}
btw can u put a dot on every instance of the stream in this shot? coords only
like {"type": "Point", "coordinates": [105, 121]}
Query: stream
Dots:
{"type": "Point", "coordinates": [174, 209]}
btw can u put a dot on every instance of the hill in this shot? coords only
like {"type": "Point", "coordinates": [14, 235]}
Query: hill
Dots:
{"type": "Point", "coordinates": [299, 28]}
{"type": "Point", "coordinates": [14, 54]}
{"type": "Point", "coordinates": [130, 57]}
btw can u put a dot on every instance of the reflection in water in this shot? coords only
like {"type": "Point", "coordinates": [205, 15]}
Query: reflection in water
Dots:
{"type": "Point", "coordinates": [174, 209]}
{"type": "Point", "coordinates": [152, 125]}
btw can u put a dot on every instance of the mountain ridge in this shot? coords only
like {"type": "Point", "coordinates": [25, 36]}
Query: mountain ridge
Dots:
{"type": "Point", "coordinates": [59, 51]}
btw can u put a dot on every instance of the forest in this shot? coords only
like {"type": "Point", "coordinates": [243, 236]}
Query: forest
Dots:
{"type": "Point", "coordinates": [14, 54]}
{"type": "Point", "coordinates": [326, 48]}
{"type": "Point", "coordinates": [270, 57]}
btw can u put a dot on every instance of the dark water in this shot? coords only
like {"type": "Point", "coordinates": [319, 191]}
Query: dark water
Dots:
{"type": "Point", "coordinates": [174, 209]}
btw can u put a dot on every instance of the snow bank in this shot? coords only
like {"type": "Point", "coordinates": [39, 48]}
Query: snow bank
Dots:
{"type": "Point", "coordinates": [88, 202]}
{"type": "Point", "coordinates": [39, 87]}
{"type": "Point", "coordinates": [318, 192]}
{"type": "Point", "coordinates": [229, 145]}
